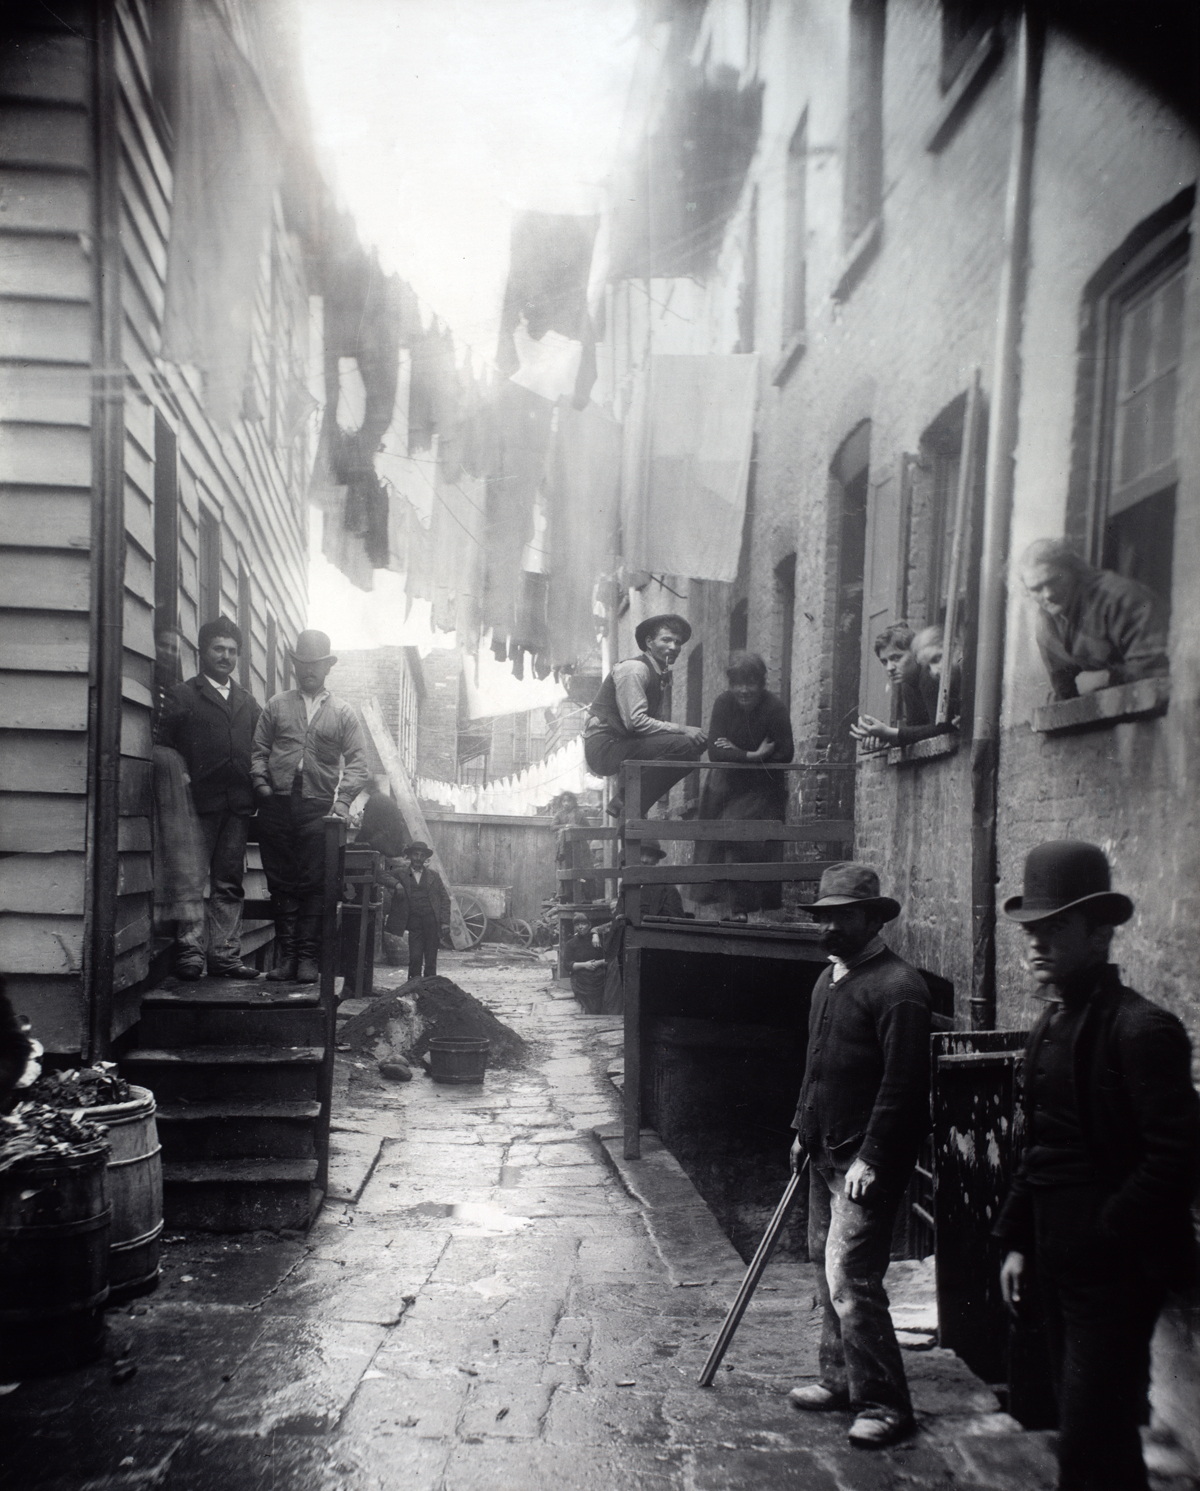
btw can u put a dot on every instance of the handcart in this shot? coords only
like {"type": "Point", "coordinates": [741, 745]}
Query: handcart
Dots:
{"type": "Point", "coordinates": [485, 906]}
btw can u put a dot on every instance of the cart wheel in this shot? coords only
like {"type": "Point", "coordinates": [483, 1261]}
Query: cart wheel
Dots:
{"type": "Point", "coordinates": [523, 932]}
{"type": "Point", "coordinates": [475, 918]}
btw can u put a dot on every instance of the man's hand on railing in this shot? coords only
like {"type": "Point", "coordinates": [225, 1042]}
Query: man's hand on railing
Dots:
{"type": "Point", "coordinates": [695, 734]}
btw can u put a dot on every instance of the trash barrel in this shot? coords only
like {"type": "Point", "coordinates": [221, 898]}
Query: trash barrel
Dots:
{"type": "Point", "coordinates": [457, 1059]}
{"type": "Point", "coordinates": [54, 1225]}
{"type": "Point", "coordinates": [135, 1192]}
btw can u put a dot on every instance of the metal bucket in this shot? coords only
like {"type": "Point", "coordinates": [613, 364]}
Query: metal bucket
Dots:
{"type": "Point", "coordinates": [54, 1224]}
{"type": "Point", "coordinates": [458, 1059]}
{"type": "Point", "coordinates": [136, 1192]}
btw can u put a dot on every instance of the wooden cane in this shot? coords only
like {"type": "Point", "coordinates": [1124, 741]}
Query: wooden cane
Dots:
{"type": "Point", "coordinates": [755, 1272]}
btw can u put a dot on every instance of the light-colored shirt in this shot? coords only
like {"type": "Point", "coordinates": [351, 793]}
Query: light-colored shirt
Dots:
{"type": "Point", "coordinates": [872, 950]}
{"type": "Point", "coordinates": [629, 681]}
{"type": "Point", "coordinates": [221, 688]}
{"type": "Point", "coordinates": [313, 702]}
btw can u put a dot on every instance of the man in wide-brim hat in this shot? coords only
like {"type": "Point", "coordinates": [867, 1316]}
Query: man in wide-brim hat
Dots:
{"type": "Point", "coordinates": [862, 1113]}
{"type": "Point", "coordinates": [1101, 1198]}
{"type": "Point", "coordinates": [308, 762]}
{"type": "Point", "coordinates": [630, 717]}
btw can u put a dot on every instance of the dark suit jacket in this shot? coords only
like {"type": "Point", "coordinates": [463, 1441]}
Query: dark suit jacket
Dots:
{"type": "Point", "coordinates": [1141, 1121]}
{"type": "Point", "coordinates": [398, 916]}
{"type": "Point", "coordinates": [214, 738]}
{"type": "Point", "coordinates": [866, 1081]}
{"type": "Point", "coordinates": [383, 827]}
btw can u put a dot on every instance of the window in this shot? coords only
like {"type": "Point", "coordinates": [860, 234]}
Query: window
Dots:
{"type": "Point", "coordinates": [695, 686]}
{"type": "Point", "coordinates": [209, 561]}
{"type": "Point", "coordinates": [245, 621]}
{"type": "Point", "coordinates": [1134, 517]}
{"type": "Point", "coordinates": [863, 181]}
{"type": "Point", "coordinates": [795, 241]}
{"type": "Point", "coordinates": [472, 770]}
{"type": "Point", "coordinates": [166, 526]}
{"type": "Point", "coordinates": [785, 610]}
{"type": "Point", "coordinates": [739, 626]}
{"type": "Point", "coordinates": [850, 475]}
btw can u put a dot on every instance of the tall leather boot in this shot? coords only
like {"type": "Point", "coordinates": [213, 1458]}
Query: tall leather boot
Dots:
{"type": "Point", "coordinates": [287, 912]}
{"type": "Point", "coordinates": [308, 942]}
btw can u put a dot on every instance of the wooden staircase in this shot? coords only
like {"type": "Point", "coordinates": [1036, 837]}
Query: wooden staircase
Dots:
{"type": "Point", "coordinates": [242, 1073]}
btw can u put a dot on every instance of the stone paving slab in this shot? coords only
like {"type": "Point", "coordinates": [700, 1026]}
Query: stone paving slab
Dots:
{"type": "Point", "coordinates": [492, 1298]}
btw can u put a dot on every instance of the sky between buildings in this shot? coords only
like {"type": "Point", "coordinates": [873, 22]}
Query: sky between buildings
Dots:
{"type": "Point", "coordinates": [436, 119]}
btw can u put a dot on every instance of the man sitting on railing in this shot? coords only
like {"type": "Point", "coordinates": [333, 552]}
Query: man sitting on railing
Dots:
{"type": "Point", "coordinates": [630, 718]}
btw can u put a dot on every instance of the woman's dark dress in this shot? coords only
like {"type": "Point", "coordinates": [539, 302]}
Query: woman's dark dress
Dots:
{"type": "Point", "coordinates": [746, 794]}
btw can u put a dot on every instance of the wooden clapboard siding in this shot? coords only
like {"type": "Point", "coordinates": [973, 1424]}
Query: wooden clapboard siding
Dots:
{"type": "Point", "coordinates": [43, 266]}
{"type": "Point", "coordinates": [55, 1005]}
{"type": "Point", "coordinates": [47, 884]}
{"type": "Point", "coordinates": [41, 944]}
{"type": "Point", "coordinates": [42, 761]}
{"type": "Point", "coordinates": [33, 395]}
{"type": "Point", "coordinates": [43, 701]}
{"type": "Point", "coordinates": [40, 823]}
{"type": "Point", "coordinates": [45, 518]}
{"type": "Point", "coordinates": [40, 642]}
{"type": "Point", "coordinates": [49, 455]}
{"type": "Point", "coordinates": [45, 580]}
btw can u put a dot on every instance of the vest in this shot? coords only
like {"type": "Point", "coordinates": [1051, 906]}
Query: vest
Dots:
{"type": "Point", "coordinates": [604, 706]}
{"type": "Point", "coordinates": [420, 902]}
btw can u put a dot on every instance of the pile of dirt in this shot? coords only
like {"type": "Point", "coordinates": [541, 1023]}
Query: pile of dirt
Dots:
{"type": "Point", "coordinates": [404, 1022]}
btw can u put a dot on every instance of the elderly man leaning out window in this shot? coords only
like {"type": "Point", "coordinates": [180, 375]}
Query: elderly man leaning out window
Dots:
{"type": "Point", "coordinates": [1095, 629]}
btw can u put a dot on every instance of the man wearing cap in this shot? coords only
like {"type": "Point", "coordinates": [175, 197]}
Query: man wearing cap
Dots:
{"type": "Point", "coordinates": [630, 718]}
{"type": "Point", "coordinates": [1101, 1196]}
{"type": "Point", "coordinates": [309, 763]}
{"type": "Point", "coordinates": [863, 1111]}
{"type": "Point", "coordinates": [210, 721]}
{"type": "Point", "coordinates": [420, 907]}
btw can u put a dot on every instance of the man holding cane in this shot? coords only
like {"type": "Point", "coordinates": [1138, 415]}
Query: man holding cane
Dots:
{"type": "Point", "coordinates": [862, 1113]}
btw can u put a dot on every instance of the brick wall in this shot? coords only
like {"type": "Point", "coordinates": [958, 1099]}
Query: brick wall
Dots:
{"type": "Point", "coordinates": [437, 734]}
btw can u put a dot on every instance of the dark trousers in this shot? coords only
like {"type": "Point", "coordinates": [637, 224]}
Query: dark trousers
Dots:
{"type": "Point", "coordinates": [423, 937]}
{"type": "Point", "coordinates": [224, 837]}
{"type": "Point", "coordinates": [291, 837]}
{"type": "Point", "coordinates": [607, 751]}
{"type": "Point", "coordinates": [851, 1246]}
{"type": "Point", "coordinates": [1100, 1315]}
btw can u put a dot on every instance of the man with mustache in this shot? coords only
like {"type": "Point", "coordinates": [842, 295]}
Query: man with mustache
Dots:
{"type": "Point", "coordinates": [1101, 1197]}
{"type": "Point", "coordinates": [863, 1111]}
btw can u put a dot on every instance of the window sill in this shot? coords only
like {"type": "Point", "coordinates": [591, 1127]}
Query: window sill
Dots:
{"type": "Point", "coordinates": [930, 749]}
{"type": "Point", "coordinates": [862, 251]}
{"type": "Point", "coordinates": [795, 349]}
{"type": "Point", "coordinates": [966, 87]}
{"type": "Point", "coordinates": [1128, 701]}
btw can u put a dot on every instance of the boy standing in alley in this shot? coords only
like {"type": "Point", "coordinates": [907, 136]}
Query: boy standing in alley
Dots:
{"type": "Point", "coordinates": [309, 763]}
{"type": "Point", "coordinates": [420, 907]}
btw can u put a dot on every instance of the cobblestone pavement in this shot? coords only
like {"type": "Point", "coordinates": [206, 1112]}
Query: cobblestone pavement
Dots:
{"type": "Point", "coordinates": [496, 1302]}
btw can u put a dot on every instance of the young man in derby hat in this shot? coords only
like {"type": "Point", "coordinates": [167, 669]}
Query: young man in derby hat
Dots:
{"type": "Point", "coordinates": [309, 763]}
{"type": "Point", "coordinates": [210, 721]}
{"type": "Point", "coordinates": [658, 900]}
{"type": "Point", "coordinates": [420, 907]}
{"type": "Point", "coordinates": [630, 718]}
{"type": "Point", "coordinates": [863, 1111]}
{"type": "Point", "coordinates": [1101, 1197]}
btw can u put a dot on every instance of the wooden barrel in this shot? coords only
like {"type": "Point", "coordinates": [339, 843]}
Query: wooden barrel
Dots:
{"type": "Point", "coordinates": [54, 1221]}
{"type": "Point", "coordinates": [457, 1059]}
{"type": "Point", "coordinates": [135, 1193]}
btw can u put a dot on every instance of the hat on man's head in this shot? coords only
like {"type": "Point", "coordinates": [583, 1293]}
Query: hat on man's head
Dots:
{"type": "Point", "coordinates": [1068, 875]}
{"type": "Point", "coordinates": [646, 629]}
{"type": "Point", "coordinates": [652, 846]}
{"type": "Point", "coordinates": [311, 647]}
{"type": "Point", "coordinates": [418, 846]}
{"type": "Point", "coordinates": [850, 884]}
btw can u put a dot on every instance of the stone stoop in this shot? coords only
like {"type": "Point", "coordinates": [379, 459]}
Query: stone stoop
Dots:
{"type": "Point", "coordinates": [236, 1070]}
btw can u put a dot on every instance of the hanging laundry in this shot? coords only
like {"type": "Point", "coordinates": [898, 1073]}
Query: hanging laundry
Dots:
{"type": "Point", "coordinates": [583, 488]}
{"type": "Point", "coordinates": [522, 430]}
{"type": "Point", "coordinates": [457, 544]}
{"type": "Point", "coordinates": [686, 463]}
{"type": "Point", "coordinates": [550, 260]}
{"type": "Point", "coordinates": [227, 162]}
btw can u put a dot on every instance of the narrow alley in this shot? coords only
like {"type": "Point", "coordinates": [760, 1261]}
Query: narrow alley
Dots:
{"type": "Point", "coordinates": [492, 1298]}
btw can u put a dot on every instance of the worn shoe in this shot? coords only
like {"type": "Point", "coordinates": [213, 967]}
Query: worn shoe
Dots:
{"type": "Point", "coordinates": [190, 973]}
{"type": "Point", "coordinates": [875, 1428]}
{"type": "Point", "coordinates": [307, 971]}
{"type": "Point", "coordinates": [816, 1397]}
{"type": "Point", "coordinates": [234, 970]}
{"type": "Point", "coordinates": [285, 972]}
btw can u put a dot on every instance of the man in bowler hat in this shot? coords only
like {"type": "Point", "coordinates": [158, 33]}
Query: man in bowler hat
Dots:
{"type": "Point", "coordinates": [1101, 1197]}
{"type": "Point", "coordinates": [309, 763]}
{"type": "Point", "coordinates": [863, 1111]}
{"type": "Point", "coordinates": [630, 718]}
{"type": "Point", "coordinates": [420, 907]}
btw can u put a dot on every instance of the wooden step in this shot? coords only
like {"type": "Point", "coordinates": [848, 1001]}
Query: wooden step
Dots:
{"type": "Point", "coordinates": [217, 1073]}
{"type": "Point", "coordinates": [213, 1131]}
{"type": "Point", "coordinates": [175, 1023]}
{"type": "Point", "coordinates": [240, 1195]}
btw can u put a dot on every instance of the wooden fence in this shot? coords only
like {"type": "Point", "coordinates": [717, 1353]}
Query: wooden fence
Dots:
{"type": "Point", "coordinates": [498, 849]}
